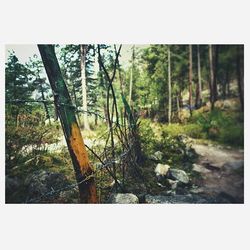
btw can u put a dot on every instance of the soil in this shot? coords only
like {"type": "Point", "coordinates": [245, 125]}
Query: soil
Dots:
{"type": "Point", "coordinates": [225, 176]}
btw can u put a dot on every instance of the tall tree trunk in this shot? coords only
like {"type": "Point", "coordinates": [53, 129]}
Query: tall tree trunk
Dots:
{"type": "Point", "coordinates": [178, 107]}
{"type": "Point", "coordinates": [240, 74]}
{"type": "Point", "coordinates": [180, 99]}
{"type": "Point", "coordinates": [225, 82]}
{"type": "Point", "coordinates": [75, 102]}
{"type": "Point", "coordinates": [198, 102]}
{"type": "Point", "coordinates": [215, 66]}
{"type": "Point", "coordinates": [228, 88]}
{"type": "Point", "coordinates": [211, 82]}
{"type": "Point", "coordinates": [72, 133]}
{"type": "Point", "coordinates": [190, 78]}
{"type": "Point", "coordinates": [83, 52]}
{"type": "Point", "coordinates": [131, 77]}
{"type": "Point", "coordinates": [169, 86]}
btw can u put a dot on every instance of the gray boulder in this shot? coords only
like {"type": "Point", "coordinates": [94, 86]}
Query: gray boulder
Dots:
{"type": "Point", "coordinates": [179, 175]}
{"type": "Point", "coordinates": [161, 169]}
{"type": "Point", "coordinates": [173, 184]}
{"type": "Point", "coordinates": [200, 169]}
{"type": "Point", "coordinates": [45, 186]}
{"type": "Point", "coordinates": [120, 198]}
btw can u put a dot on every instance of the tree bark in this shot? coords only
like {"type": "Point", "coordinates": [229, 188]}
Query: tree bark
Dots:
{"type": "Point", "coordinates": [198, 87]}
{"type": "Point", "coordinates": [190, 78]}
{"type": "Point", "coordinates": [72, 133]}
{"type": "Point", "coordinates": [211, 82]}
{"type": "Point", "coordinates": [215, 66]}
{"type": "Point", "coordinates": [240, 74]}
{"type": "Point", "coordinates": [169, 86]}
{"type": "Point", "coordinates": [83, 52]}
{"type": "Point", "coordinates": [178, 107]}
{"type": "Point", "coordinates": [75, 102]}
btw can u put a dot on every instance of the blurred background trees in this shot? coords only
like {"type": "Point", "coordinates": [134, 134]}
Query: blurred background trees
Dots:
{"type": "Point", "coordinates": [158, 84]}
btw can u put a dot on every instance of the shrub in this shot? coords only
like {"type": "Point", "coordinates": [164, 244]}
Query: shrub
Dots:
{"type": "Point", "coordinates": [225, 127]}
{"type": "Point", "coordinates": [147, 136]}
{"type": "Point", "coordinates": [194, 131]}
{"type": "Point", "coordinates": [232, 135]}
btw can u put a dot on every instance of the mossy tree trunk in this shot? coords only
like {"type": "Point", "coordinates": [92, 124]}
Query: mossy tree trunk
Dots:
{"type": "Point", "coordinates": [72, 133]}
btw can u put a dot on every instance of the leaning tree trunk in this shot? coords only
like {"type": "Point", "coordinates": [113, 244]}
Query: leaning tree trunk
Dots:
{"type": "Point", "coordinates": [190, 78]}
{"type": "Point", "coordinates": [83, 51]}
{"type": "Point", "coordinates": [72, 133]}
{"type": "Point", "coordinates": [169, 86]}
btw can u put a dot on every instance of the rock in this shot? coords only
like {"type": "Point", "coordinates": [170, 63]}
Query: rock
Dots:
{"type": "Point", "coordinates": [200, 169]}
{"type": "Point", "coordinates": [161, 172]}
{"type": "Point", "coordinates": [44, 185]}
{"type": "Point", "coordinates": [162, 169]}
{"type": "Point", "coordinates": [157, 156]}
{"type": "Point", "coordinates": [173, 184]}
{"type": "Point", "coordinates": [197, 190]}
{"type": "Point", "coordinates": [179, 175]}
{"type": "Point", "coordinates": [120, 198]}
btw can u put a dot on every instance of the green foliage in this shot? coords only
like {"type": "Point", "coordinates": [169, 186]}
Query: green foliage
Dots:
{"type": "Point", "coordinates": [29, 137]}
{"type": "Point", "coordinates": [148, 139]}
{"type": "Point", "coordinates": [221, 126]}
{"type": "Point", "coordinates": [176, 151]}
{"type": "Point", "coordinates": [191, 130]}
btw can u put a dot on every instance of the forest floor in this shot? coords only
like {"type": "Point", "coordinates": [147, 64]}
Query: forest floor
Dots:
{"type": "Point", "coordinates": [214, 165]}
{"type": "Point", "coordinates": [218, 170]}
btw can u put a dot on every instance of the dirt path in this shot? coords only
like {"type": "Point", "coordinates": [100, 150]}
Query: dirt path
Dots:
{"type": "Point", "coordinates": [221, 170]}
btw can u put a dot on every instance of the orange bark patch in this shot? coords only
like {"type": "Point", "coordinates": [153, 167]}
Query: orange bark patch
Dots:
{"type": "Point", "coordinates": [79, 149]}
{"type": "Point", "coordinates": [93, 194]}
